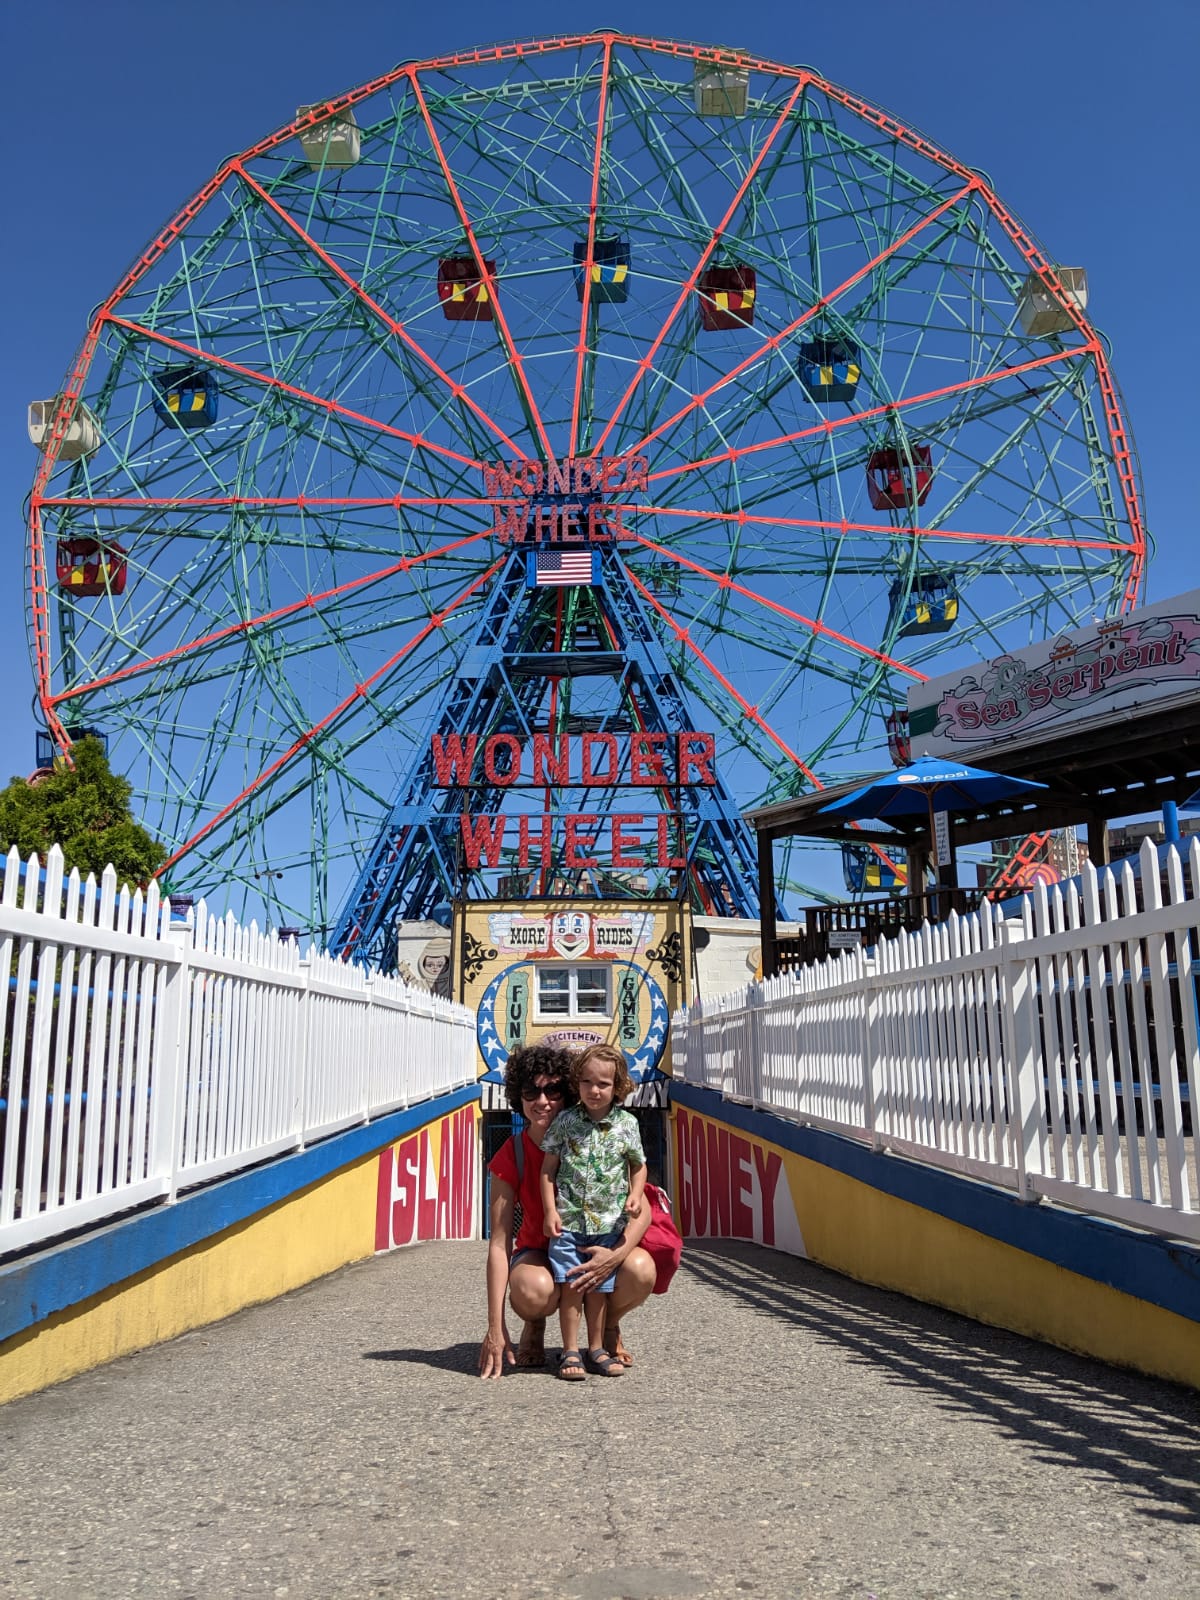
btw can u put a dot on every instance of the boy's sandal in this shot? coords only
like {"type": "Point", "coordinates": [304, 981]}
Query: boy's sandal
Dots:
{"type": "Point", "coordinates": [570, 1367]}
{"type": "Point", "coordinates": [606, 1365]}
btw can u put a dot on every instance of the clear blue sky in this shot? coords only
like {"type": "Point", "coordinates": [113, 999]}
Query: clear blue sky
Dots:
{"type": "Point", "coordinates": [1082, 114]}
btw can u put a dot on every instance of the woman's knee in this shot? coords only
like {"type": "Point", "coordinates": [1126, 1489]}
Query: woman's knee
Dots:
{"type": "Point", "coordinates": [532, 1290]}
{"type": "Point", "coordinates": [635, 1278]}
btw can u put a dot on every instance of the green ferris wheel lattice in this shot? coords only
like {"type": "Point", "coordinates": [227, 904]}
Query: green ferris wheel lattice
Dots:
{"type": "Point", "coordinates": [883, 438]}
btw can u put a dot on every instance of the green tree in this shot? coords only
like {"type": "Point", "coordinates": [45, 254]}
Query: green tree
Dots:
{"type": "Point", "coordinates": [84, 809]}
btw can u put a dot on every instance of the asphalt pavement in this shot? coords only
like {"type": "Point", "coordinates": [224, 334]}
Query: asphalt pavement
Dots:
{"type": "Point", "coordinates": [783, 1432]}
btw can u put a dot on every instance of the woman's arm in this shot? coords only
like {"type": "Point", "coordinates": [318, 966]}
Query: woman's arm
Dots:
{"type": "Point", "coordinates": [549, 1204]}
{"type": "Point", "coordinates": [601, 1262]}
{"type": "Point", "coordinates": [496, 1351]}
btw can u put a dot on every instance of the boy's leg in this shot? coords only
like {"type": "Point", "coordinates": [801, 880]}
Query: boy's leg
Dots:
{"type": "Point", "coordinates": [568, 1322]}
{"type": "Point", "coordinates": [594, 1307]}
{"type": "Point", "coordinates": [598, 1358]}
{"type": "Point", "coordinates": [564, 1254]}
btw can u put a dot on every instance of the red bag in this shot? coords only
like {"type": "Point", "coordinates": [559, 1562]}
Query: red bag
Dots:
{"type": "Point", "coordinates": [661, 1239]}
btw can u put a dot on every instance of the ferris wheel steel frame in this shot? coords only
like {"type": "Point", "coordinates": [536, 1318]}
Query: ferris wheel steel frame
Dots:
{"type": "Point", "coordinates": [748, 726]}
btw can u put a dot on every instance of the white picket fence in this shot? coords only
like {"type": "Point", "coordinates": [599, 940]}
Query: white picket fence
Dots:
{"type": "Point", "coordinates": [1053, 1050]}
{"type": "Point", "coordinates": [139, 1057]}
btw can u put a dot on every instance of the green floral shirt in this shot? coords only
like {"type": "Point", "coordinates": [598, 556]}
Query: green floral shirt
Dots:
{"type": "Point", "coordinates": [594, 1162]}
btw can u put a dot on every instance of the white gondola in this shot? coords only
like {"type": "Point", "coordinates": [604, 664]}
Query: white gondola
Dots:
{"type": "Point", "coordinates": [1041, 311]}
{"type": "Point", "coordinates": [332, 142]}
{"type": "Point", "coordinates": [82, 437]}
{"type": "Point", "coordinates": [721, 91]}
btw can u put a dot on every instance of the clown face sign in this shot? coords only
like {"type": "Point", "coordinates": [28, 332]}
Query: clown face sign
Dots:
{"type": "Point", "coordinates": [571, 934]}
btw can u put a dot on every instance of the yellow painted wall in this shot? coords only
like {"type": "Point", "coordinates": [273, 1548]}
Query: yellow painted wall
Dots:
{"type": "Point", "coordinates": [304, 1236]}
{"type": "Point", "coordinates": [301, 1238]}
{"type": "Point", "coordinates": [877, 1238]}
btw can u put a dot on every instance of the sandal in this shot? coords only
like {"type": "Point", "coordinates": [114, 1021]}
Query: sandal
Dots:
{"type": "Point", "coordinates": [531, 1352]}
{"type": "Point", "coordinates": [570, 1367]}
{"type": "Point", "coordinates": [608, 1366]}
{"type": "Point", "coordinates": [615, 1346]}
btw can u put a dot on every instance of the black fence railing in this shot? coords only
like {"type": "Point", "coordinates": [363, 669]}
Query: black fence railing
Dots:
{"type": "Point", "coordinates": [829, 929]}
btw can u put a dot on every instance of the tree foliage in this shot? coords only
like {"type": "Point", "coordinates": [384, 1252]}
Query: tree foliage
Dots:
{"type": "Point", "coordinates": [84, 809]}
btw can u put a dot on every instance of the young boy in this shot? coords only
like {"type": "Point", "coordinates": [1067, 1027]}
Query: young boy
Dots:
{"type": "Point", "coordinates": [594, 1149]}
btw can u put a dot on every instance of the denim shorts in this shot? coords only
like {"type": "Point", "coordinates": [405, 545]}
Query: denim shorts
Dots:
{"type": "Point", "coordinates": [564, 1254]}
{"type": "Point", "coordinates": [524, 1254]}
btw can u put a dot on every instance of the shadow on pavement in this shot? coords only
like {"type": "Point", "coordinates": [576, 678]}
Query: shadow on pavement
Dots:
{"type": "Point", "coordinates": [459, 1358]}
{"type": "Point", "coordinates": [1142, 1432]}
{"type": "Point", "coordinates": [454, 1358]}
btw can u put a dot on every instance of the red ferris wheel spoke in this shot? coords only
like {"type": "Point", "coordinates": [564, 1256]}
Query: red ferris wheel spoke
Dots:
{"type": "Point", "coordinates": [593, 208]}
{"type": "Point", "coordinates": [776, 339]}
{"type": "Point", "coordinates": [258, 502]}
{"type": "Point", "coordinates": [515, 359]}
{"type": "Point", "coordinates": [41, 632]}
{"type": "Point", "coordinates": [857, 418]}
{"type": "Point", "coordinates": [681, 633]}
{"type": "Point", "coordinates": [458, 390]}
{"type": "Point", "coordinates": [332, 406]}
{"type": "Point", "coordinates": [1118, 433]}
{"type": "Point", "coordinates": [359, 692]}
{"type": "Point", "coordinates": [842, 525]}
{"type": "Point", "coordinates": [900, 531]}
{"type": "Point", "coordinates": [723, 581]}
{"type": "Point", "coordinates": [310, 602]}
{"type": "Point", "coordinates": [39, 593]}
{"type": "Point", "coordinates": [664, 795]}
{"type": "Point", "coordinates": [645, 364]}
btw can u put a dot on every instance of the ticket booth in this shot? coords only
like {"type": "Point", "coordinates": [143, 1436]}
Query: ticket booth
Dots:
{"type": "Point", "coordinates": [574, 973]}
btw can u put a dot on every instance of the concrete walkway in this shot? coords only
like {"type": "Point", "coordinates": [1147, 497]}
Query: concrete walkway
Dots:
{"type": "Point", "coordinates": [783, 1433]}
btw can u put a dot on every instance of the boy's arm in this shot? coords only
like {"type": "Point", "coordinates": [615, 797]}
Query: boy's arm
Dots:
{"type": "Point", "coordinates": [637, 1188]}
{"type": "Point", "coordinates": [553, 1222]}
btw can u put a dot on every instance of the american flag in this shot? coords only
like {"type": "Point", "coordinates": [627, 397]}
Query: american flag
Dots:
{"type": "Point", "coordinates": [544, 568]}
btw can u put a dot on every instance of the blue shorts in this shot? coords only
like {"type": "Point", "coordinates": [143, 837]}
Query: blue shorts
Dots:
{"type": "Point", "coordinates": [523, 1254]}
{"type": "Point", "coordinates": [564, 1254]}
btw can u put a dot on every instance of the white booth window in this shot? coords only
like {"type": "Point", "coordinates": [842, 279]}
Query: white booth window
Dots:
{"type": "Point", "coordinates": [573, 994]}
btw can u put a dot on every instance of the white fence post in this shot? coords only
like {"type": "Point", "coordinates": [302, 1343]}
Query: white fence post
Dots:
{"type": "Point", "coordinates": [368, 1062]}
{"type": "Point", "coordinates": [872, 1069]}
{"type": "Point", "coordinates": [1018, 996]}
{"type": "Point", "coordinates": [302, 1090]}
{"type": "Point", "coordinates": [754, 1004]}
{"type": "Point", "coordinates": [168, 1076]}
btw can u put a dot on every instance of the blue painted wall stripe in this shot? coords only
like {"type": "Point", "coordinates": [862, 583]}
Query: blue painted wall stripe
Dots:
{"type": "Point", "coordinates": [1163, 1272]}
{"type": "Point", "coordinates": [63, 1275]}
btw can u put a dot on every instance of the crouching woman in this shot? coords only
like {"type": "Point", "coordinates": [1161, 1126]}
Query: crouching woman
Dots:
{"type": "Point", "coordinates": [537, 1083]}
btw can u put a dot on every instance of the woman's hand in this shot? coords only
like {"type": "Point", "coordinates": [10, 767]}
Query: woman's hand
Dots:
{"type": "Point", "coordinates": [495, 1353]}
{"type": "Point", "coordinates": [601, 1263]}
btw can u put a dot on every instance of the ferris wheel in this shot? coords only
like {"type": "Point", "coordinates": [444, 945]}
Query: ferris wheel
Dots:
{"type": "Point", "coordinates": [861, 423]}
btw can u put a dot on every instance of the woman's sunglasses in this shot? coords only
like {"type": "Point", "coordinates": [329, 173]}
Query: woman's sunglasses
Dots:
{"type": "Point", "coordinates": [553, 1091]}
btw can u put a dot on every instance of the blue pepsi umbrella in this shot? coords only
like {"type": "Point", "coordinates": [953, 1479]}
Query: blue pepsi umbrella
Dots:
{"type": "Point", "coordinates": [929, 785]}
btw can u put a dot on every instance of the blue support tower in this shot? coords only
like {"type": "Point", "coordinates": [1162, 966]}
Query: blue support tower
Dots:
{"type": "Point", "coordinates": [537, 656]}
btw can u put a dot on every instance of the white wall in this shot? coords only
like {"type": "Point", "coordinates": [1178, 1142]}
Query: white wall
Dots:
{"type": "Point", "coordinates": [732, 955]}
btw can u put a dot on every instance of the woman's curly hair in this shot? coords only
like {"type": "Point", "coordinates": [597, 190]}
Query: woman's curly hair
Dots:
{"type": "Point", "coordinates": [531, 1061]}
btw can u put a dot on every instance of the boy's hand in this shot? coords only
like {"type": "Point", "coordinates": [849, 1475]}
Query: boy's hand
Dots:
{"type": "Point", "coordinates": [554, 1225]}
{"type": "Point", "coordinates": [633, 1205]}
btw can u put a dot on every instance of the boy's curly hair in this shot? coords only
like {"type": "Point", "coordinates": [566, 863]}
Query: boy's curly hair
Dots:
{"type": "Point", "coordinates": [530, 1061]}
{"type": "Point", "coordinates": [608, 1053]}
